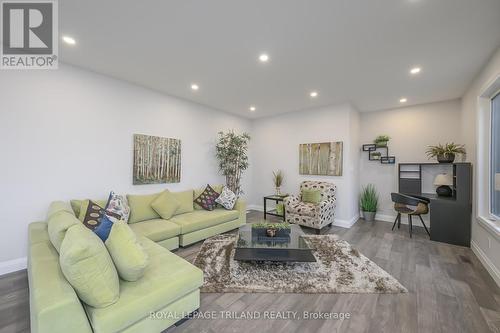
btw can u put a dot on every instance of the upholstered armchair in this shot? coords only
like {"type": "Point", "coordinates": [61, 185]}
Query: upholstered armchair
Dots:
{"type": "Point", "coordinates": [309, 214]}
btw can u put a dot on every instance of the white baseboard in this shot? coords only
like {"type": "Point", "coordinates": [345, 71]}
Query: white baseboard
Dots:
{"type": "Point", "coordinates": [336, 222]}
{"type": "Point", "coordinates": [391, 218]}
{"type": "Point", "coordinates": [346, 223]}
{"type": "Point", "coordinates": [490, 267]}
{"type": "Point", "coordinates": [13, 265]}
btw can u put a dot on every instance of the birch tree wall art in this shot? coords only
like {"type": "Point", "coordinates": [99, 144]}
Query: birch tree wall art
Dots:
{"type": "Point", "coordinates": [156, 160]}
{"type": "Point", "coordinates": [321, 159]}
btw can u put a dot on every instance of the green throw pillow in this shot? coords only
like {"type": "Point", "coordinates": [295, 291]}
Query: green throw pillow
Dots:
{"type": "Point", "coordinates": [166, 205]}
{"type": "Point", "coordinates": [129, 257]}
{"type": "Point", "coordinates": [185, 199]}
{"type": "Point", "coordinates": [57, 225]}
{"type": "Point", "coordinates": [311, 196]}
{"type": "Point", "coordinates": [88, 267]}
{"type": "Point", "coordinates": [58, 206]}
{"type": "Point", "coordinates": [140, 207]}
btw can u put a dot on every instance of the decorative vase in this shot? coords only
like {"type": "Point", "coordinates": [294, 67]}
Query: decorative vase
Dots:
{"type": "Point", "coordinates": [271, 232]}
{"type": "Point", "coordinates": [369, 216]}
{"type": "Point", "coordinates": [444, 191]}
{"type": "Point", "coordinates": [446, 158]}
{"type": "Point", "coordinates": [278, 190]}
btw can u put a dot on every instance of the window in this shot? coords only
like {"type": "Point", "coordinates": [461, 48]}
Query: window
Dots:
{"type": "Point", "coordinates": [495, 158]}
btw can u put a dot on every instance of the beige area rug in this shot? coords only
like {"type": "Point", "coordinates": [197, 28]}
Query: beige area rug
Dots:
{"type": "Point", "coordinates": [339, 269]}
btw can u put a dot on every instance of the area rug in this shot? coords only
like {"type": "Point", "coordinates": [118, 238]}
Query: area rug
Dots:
{"type": "Point", "coordinates": [339, 269]}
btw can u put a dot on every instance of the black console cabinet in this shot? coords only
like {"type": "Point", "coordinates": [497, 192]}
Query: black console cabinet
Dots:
{"type": "Point", "coordinates": [450, 216]}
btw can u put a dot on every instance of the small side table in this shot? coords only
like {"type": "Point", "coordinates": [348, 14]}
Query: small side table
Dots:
{"type": "Point", "coordinates": [277, 199]}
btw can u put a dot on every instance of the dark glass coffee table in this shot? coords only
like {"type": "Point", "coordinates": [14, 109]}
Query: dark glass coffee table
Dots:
{"type": "Point", "coordinates": [251, 246]}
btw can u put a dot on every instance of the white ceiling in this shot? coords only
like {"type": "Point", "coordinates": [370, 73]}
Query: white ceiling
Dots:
{"type": "Point", "coordinates": [357, 51]}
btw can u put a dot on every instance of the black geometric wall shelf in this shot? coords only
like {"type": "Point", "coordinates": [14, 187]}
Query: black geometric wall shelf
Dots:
{"type": "Point", "coordinates": [375, 154]}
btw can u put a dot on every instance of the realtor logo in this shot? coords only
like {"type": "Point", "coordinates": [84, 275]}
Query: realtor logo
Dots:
{"type": "Point", "coordinates": [29, 35]}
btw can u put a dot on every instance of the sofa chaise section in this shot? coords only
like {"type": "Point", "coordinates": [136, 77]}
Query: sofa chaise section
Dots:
{"type": "Point", "coordinates": [170, 285]}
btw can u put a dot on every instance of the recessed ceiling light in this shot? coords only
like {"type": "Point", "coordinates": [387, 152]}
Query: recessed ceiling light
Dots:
{"type": "Point", "coordinates": [415, 70]}
{"type": "Point", "coordinates": [403, 100]}
{"type": "Point", "coordinates": [313, 94]}
{"type": "Point", "coordinates": [264, 57]}
{"type": "Point", "coordinates": [252, 108]}
{"type": "Point", "coordinates": [195, 87]}
{"type": "Point", "coordinates": [69, 40]}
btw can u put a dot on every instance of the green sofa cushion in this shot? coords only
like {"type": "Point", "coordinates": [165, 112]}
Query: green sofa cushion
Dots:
{"type": "Point", "coordinates": [76, 204]}
{"type": "Point", "coordinates": [58, 224]}
{"type": "Point", "coordinates": [198, 191]}
{"type": "Point", "coordinates": [38, 233]}
{"type": "Point", "coordinates": [200, 219]}
{"type": "Point", "coordinates": [157, 229]}
{"type": "Point", "coordinates": [185, 199]}
{"type": "Point", "coordinates": [87, 265]}
{"type": "Point", "coordinates": [140, 207]}
{"type": "Point", "coordinates": [129, 257]}
{"type": "Point", "coordinates": [51, 296]}
{"type": "Point", "coordinates": [166, 205]}
{"type": "Point", "coordinates": [166, 279]}
{"type": "Point", "coordinates": [311, 196]}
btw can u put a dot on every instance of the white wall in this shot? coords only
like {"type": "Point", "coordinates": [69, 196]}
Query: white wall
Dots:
{"type": "Point", "coordinates": [68, 134]}
{"type": "Point", "coordinates": [276, 146]}
{"type": "Point", "coordinates": [485, 242]}
{"type": "Point", "coordinates": [411, 130]}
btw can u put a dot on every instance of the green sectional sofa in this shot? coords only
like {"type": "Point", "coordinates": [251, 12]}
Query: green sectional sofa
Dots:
{"type": "Point", "coordinates": [170, 285]}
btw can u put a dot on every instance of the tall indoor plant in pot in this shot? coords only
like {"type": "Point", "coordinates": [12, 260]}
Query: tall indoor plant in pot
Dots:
{"type": "Point", "coordinates": [368, 202]}
{"type": "Point", "coordinates": [445, 153]}
{"type": "Point", "coordinates": [231, 151]}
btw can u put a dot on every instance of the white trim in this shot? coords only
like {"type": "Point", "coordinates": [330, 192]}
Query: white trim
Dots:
{"type": "Point", "coordinates": [13, 265]}
{"type": "Point", "coordinates": [255, 207]}
{"type": "Point", "coordinates": [336, 222]}
{"type": "Point", "coordinates": [345, 223]}
{"type": "Point", "coordinates": [490, 267]}
{"type": "Point", "coordinates": [391, 218]}
{"type": "Point", "coordinates": [490, 226]}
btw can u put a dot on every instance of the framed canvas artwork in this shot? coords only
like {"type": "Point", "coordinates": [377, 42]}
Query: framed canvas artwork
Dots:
{"type": "Point", "coordinates": [156, 160]}
{"type": "Point", "coordinates": [323, 159]}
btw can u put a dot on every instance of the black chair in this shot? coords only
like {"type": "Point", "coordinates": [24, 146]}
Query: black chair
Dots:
{"type": "Point", "coordinates": [419, 206]}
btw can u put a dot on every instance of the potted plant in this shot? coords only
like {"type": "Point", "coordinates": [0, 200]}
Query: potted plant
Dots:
{"type": "Point", "coordinates": [445, 153]}
{"type": "Point", "coordinates": [381, 140]}
{"type": "Point", "coordinates": [278, 181]}
{"type": "Point", "coordinates": [375, 155]}
{"type": "Point", "coordinates": [368, 202]}
{"type": "Point", "coordinates": [231, 151]}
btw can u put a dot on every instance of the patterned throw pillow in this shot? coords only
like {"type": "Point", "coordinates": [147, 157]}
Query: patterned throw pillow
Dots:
{"type": "Point", "coordinates": [207, 198]}
{"type": "Point", "coordinates": [90, 214]}
{"type": "Point", "coordinates": [227, 198]}
{"type": "Point", "coordinates": [118, 204]}
{"type": "Point", "coordinates": [97, 219]}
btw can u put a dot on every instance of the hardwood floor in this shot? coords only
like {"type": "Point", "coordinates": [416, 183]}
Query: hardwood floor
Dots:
{"type": "Point", "coordinates": [449, 291]}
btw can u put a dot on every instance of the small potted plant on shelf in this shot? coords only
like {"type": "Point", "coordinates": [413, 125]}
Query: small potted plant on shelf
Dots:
{"type": "Point", "coordinates": [375, 155]}
{"type": "Point", "coordinates": [368, 202]}
{"type": "Point", "coordinates": [278, 181]}
{"type": "Point", "coordinates": [381, 140]}
{"type": "Point", "coordinates": [445, 153]}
